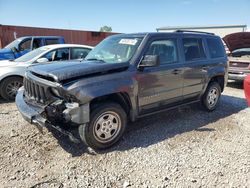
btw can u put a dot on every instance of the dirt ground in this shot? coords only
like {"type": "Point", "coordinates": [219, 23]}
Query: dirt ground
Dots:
{"type": "Point", "coordinates": [186, 147]}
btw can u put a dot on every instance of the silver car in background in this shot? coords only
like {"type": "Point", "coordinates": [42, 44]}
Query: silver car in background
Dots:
{"type": "Point", "coordinates": [12, 72]}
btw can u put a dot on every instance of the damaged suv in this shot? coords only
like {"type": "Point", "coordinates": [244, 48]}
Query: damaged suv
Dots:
{"type": "Point", "coordinates": [124, 78]}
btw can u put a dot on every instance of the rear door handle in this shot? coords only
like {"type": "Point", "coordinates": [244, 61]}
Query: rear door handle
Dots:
{"type": "Point", "coordinates": [176, 71]}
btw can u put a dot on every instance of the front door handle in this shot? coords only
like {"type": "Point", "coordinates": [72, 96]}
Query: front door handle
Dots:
{"type": "Point", "coordinates": [205, 67]}
{"type": "Point", "coordinates": [176, 71]}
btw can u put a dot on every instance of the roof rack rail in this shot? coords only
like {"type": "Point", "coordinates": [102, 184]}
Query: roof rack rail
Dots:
{"type": "Point", "coordinates": [190, 31]}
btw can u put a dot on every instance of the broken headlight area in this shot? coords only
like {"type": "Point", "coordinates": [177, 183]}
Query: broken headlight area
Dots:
{"type": "Point", "coordinates": [62, 112]}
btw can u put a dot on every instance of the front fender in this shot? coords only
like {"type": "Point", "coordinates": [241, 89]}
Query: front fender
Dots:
{"type": "Point", "coordinates": [86, 90]}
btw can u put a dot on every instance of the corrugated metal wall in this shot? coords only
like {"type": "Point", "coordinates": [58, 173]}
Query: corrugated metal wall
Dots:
{"type": "Point", "coordinates": [8, 33]}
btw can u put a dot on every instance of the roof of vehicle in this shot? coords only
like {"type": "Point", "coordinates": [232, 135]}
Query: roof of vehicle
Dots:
{"type": "Point", "coordinates": [39, 37]}
{"type": "Point", "coordinates": [54, 46]}
{"type": "Point", "coordinates": [178, 32]}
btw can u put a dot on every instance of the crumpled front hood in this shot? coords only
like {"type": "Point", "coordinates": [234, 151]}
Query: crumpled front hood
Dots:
{"type": "Point", "coordinates": [236, 41]}
{"type": "Point", "coordinates": [61, 71]}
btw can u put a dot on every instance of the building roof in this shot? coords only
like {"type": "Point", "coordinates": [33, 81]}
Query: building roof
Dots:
{"type": "Point", "coordinates": [200, 27]}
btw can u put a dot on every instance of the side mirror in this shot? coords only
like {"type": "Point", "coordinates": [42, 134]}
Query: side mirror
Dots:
{"type": "Point", "coordinates": [14, 49]}
{"type": "Point", "coordinates": [150, 61]}
{"type": "Point", "coordinates": [42, 60]}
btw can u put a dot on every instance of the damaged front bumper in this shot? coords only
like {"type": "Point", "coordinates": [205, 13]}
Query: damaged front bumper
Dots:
{"type": "Point", "coordinates": [34, 114]}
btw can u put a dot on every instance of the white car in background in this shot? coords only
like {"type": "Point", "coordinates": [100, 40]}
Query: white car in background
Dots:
{"type": "Point", "coordinates": [12, 72]}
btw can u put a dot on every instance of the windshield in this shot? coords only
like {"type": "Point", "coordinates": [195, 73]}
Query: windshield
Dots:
{"type": "Point", "coordinates": [241, 52]}
{"type": "Point", "coordinates": [115, 49]}
{"type": "Point", "coordinates": [13, 44]}
{"type": "Point", "coordinates": [29, 56]}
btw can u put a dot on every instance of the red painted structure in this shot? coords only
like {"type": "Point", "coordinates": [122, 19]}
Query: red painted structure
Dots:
{"type": "Point", "coordinates": [8, 34]}
{"type": "Point", "coordinates": [247, 89]}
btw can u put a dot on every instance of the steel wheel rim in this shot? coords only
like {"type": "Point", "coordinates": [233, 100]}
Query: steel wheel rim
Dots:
{"type": "Point", "coordinates": [213, 96]}
{"type": "Point", "coordinates": [12, 88]}
{"type": "Point", "coordinates": [107, 126]}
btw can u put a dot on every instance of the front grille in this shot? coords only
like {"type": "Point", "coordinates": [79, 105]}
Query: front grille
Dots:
{"type": "Point", "coordinates": [35, 91]}
{"type": "Point", "coordinates": [239, 64]}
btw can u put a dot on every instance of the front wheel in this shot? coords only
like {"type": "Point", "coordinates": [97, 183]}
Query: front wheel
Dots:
{"type": "Point", "coordinates": [9, 87]}
{"type": "Point", "coordinates": [107, 125]}
{"type": "Point", "coordinates": [211, 97]}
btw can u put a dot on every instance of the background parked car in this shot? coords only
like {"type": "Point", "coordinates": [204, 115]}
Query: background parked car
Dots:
{"type": "Point", "coordinates": [12, 71]}
{"type": "Point", "coordinates": [239, 57]}
{"type": "Point", "coordinates": [23, 45]}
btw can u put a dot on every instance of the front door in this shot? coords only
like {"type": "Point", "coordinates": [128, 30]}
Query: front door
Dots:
{"type": "Point", "coordinates": [159, 87]}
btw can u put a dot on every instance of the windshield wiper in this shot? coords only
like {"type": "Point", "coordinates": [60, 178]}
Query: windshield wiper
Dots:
{"type": "Point", "coordinates": [95, 59]}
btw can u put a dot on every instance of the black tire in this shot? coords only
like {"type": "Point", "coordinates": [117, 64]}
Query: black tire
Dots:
{"type": "Point", "coordinates": [5, 87]}
{"type": "Point", "coordinates": [100, 124]}
{"type": "Point", "coordinates": [211, 97]}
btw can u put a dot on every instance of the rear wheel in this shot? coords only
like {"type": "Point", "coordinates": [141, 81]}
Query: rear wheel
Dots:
{"type": "Point", "coordinates": [9, 87]}
{"type": "Point", "coordinates": [107, 125]}
{"type": "Point", "coordinates": [211, 97]}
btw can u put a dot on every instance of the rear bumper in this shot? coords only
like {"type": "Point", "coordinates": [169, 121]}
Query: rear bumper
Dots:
{"type": "Point", "coordinates": [33, 115]}
{"type": "Point", "coordinates": [237, 74]}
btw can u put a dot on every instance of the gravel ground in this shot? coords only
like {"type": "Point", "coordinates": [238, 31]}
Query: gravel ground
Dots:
{"type": "Point", "coordinates": [186, 147]}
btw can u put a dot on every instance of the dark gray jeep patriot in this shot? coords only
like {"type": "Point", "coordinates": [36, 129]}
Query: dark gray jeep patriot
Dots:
{"type": "Point", "coordinates": [125, 77]}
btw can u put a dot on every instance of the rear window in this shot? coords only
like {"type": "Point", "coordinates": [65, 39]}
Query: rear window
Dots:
{"type": "Point", "coordinates": [215, 48]}
{"type": "Point", "coordinates": [193, 49]}
{"type": "Point", "coordinates": [51, 41]}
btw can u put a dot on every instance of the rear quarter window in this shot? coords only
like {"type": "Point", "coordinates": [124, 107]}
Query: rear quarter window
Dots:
{"type": "Point", "coordinates": [215, 48]}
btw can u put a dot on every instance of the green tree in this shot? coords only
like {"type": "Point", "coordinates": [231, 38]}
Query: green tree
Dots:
{"type": "Point", "coordinates": [106, 29]}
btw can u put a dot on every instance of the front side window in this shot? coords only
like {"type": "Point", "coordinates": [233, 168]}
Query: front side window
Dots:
{"type": "Point", "coordinates": [58, 55]}
{"type": "Point", "coordinates": [79, 53]}
{"type": "Point", "coordinates": [215, 48]}
{"type": "Point", "coordinates": [37, 43]}
{"type": "Point", "coordinates": [115, 49]}
{"type": "Point", "coordinates": [25, 45]}
{"type": "Point", "coordinates": [193, 49]}
{"type": "Point", "coordinates": [166, 50]}
{"type": "Point", "coordinates": [51, 41]}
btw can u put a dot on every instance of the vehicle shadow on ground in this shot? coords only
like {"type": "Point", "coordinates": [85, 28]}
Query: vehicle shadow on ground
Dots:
{"type": "Point", "coordinates": [235, 84]}
{"type": "Point", "coordinates": [154, 129]}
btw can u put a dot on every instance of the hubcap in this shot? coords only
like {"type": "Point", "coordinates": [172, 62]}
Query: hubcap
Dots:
{"type": "Point", "coordinates": [212, 97]}
{"type": "Point", "coordinates": [107, 126]}
{"type": "Point", "coordinates": [12, 88]}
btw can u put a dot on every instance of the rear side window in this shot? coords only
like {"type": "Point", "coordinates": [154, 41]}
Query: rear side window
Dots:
{"type": "Point", "coordinates": [193, 49]}
{"type": "Point", "coordinates": [51, 41]}
{"type": "Point", "coordinates": [215, 48]}
{"type": "Point", "coordinates": [165, 49]}
{"type": "Point", "coordinates": [79, 53]}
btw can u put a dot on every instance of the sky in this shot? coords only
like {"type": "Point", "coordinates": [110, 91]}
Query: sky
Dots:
{"type": "Point", "coordinates": [124, 16]}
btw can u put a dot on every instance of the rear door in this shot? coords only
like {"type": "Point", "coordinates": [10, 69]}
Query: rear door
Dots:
{"type": "Point", "coordinates": [159, 87]}
{"type": "Point", "coordinates": [196, 66]}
